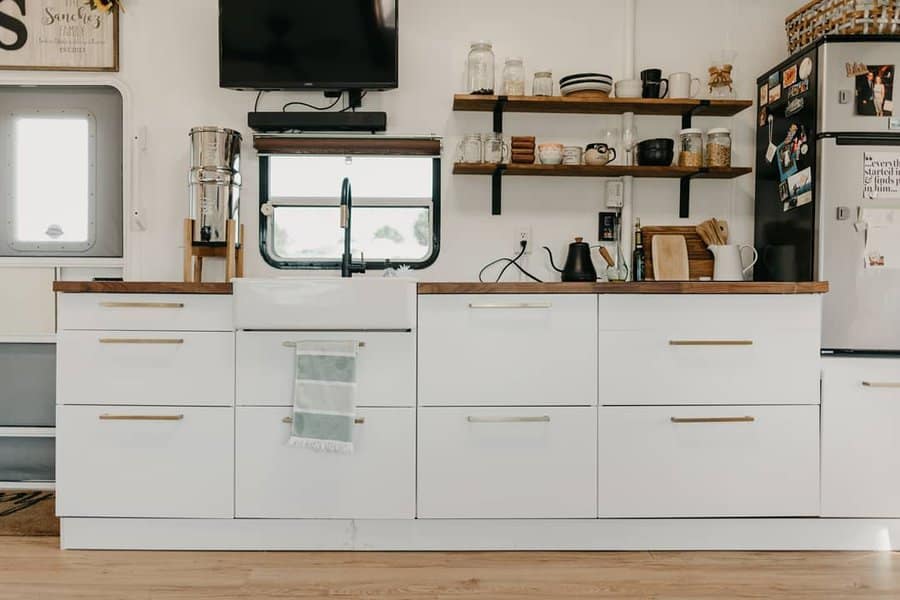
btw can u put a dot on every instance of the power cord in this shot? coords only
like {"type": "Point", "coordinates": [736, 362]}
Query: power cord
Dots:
{"type": "Point", "coordinates": [256, 104]}
{"type": "Point", "coordinates": [510, 262]}
{"type": "Point", "coordinates": [329, 107]}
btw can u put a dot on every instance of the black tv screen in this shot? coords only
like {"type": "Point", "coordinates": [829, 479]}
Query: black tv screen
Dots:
{"type": "Point", "coordinates": [308, 44]}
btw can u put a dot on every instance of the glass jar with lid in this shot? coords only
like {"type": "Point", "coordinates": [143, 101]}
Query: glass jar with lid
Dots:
{"type": "Point", "coordinates": [543, 83]}
{"type": "Point", "coordinates": [514, 77]}
{"type": "Point", "coordinates": [690, 148]}
{"type": "Point", "coordinates": [480, 68]}
{"type": "Point", "coordinates": [718, 147]}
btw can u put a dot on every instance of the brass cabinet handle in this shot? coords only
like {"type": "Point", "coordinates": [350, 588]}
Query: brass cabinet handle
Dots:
{"type": "Point", "coordinates": [525, 305]}
{"type": "Point", "coordinates": [713, 419]}
{"type": "Point", "coordinates": [357, 420]}
{"type": "Point", "coordinates": [881, 384]}
{"type": "Point", "coordinates": [142, 304]}
{"type": "Point", "coordinates": [147, 341]}
{"type": "Point", "coordinates": [141, 417]}
{"type": "Point", "coordinates": [710, 342]}
{"type": "Point", "coordinates": [543, 419]}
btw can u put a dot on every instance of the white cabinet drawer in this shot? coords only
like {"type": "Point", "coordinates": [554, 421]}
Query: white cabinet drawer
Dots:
{"type": "Point", "coordinates": [860, 441]}
{"type": "Point", "coordinates": [145, 312]}
{"type": "Point", "coordinates": [386, 367]}
{"type": "Point", "coordinates": [278, 481]}
{"type": "Point", "coordinates": [507, 463]}
{"type": "Point", "coordinates": [145, 368]}
{"type": "Point", "coordinates": [172, 462]}
{"type": "Point", "coordinates": [507, 350]}
{"type": "Point", "coordinates": [709, 350]}
{"type": "Point", "coordinates": [734, 461]}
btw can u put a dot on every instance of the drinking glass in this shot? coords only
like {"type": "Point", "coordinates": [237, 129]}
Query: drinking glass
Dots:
{"type": "Point", "coordinates": [630, 140]}
{"type": "Point", "coordinates": [613, 139]}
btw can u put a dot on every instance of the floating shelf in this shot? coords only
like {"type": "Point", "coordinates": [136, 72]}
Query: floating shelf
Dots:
{"type": "Point", "coordinates": [606, 171]}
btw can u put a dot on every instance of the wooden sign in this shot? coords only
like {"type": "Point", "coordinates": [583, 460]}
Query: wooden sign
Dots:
{"type": "Point", "coordinates": [58, 35]}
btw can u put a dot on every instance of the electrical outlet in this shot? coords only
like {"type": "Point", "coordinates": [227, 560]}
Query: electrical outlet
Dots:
{"type": "Point", "coordinates": [523, 234]}
{"type": "Point", "coordinates": [615, 194]}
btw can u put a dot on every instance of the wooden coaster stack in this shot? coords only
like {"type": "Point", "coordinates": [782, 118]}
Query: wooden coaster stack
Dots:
{"type": "Point", "coordinates": [523, 150]}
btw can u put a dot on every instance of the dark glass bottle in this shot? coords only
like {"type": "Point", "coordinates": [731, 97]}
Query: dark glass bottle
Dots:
{"type": "Point", "coordinates": [637, 259]}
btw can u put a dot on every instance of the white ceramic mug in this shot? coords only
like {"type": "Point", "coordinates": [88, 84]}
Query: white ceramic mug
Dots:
{"type": "Point", "coordinates": [681, 85]}
{"type": "Point", "coordinates": [729, 264]}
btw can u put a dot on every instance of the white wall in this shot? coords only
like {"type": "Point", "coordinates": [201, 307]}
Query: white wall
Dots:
{"type": "Point", "coordinates": [169, 63]}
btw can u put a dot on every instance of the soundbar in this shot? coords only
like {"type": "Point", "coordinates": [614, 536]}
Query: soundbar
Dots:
{"type": "Point", "coordinates": [282, 122]}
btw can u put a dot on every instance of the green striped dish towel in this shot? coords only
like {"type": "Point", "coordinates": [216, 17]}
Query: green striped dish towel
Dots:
{"type": "Point", "coordinates": [325, 396]}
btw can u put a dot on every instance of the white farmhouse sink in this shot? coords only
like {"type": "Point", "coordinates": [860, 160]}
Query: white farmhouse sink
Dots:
{"type": "Point", "coordinates": [295, 303]}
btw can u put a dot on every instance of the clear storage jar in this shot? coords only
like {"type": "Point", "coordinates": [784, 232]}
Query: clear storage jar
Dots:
{"type": "Point", "coordinates": [543, 83]}
{"type": "Point", "coordinates": [718, 147]}
{"type": "Point", "coordinates": [690, 144]}
{"type": "Point", "coordinates": [514, 77]}
{"type": "Point", "coordinates": [480, 68]}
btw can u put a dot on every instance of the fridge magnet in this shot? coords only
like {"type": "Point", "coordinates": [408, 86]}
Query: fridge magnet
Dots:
{"type": "Point", "coordinates": [795, 91]}
{"type": "Point", "coordinates": [882, 238]}
{"type": "Point", "coordinates": [881, 175]}
{"type": "Point", "coordinates": [787, 166]}
{"type": "Point", "coordinates": [789, 77]}
{"type": "Point", "coordinates": [763, 94]}
{"type": "Point", "coordinates": [855, 69]}
{"type": "Point", "coordinates": [784, 191]}
{"type": "Point", "coordinates": [800, 183]}
{"type": "Point", "coordinates": [59, 35]}
{"type": "Point", "coordinates": [806, 67]}
{"type": "Point", "coordinates": [875, 91]}
{"type": "Point", "coordinates": [763, 116]}
{"type": "Point", "coordinates": [774, 87]}
{"type": "Point", "coordinates": [794, 106]}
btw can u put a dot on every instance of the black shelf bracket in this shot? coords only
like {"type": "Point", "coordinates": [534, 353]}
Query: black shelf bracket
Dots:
{"type": "Point", "coordinates": [498, 113]}
{"type": "Point", "coordinates": [687, 118]}
{"type": "Point", "coordinates": [684, 202]}
{"type": "Point", "coordinates": [497, 190]}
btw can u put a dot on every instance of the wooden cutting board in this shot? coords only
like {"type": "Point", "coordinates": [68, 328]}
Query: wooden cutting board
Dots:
{"type": "Point", "coordinates": [700, 260]}
{"type": "Point", "coordinates": [670, 258]}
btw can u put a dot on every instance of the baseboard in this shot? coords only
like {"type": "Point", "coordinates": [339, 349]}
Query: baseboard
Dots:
{"type": "Point", "coordinates": [481, 535]}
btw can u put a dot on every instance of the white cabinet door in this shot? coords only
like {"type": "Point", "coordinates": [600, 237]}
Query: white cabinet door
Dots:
{"type": "Point", "coordinates": [680, 350]}
{"type": "Point", "coordinates": [386, 368]}
{"type": "Point", "coordinates": [145, 312]}
{"type": "Point", "coordinates": [507, 350]}
{"type": "Point", "coordinates": [507, 463]}
{"type": "Point", "coordinates": [145, 368]}
{"type": "Point", "coordinates": [278, 481]}
{"type": "Point", "coordinates": [173, 462]}
{"type": "Point", "coordinates": [710, 461]}
{"type": "Point", "coordinates": [861, 437]}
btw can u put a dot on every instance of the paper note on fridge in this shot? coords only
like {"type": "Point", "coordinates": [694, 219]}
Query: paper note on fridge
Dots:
{"type": "Point", "coordinates": [882, 237]}
{"type": "Point", "coordinates": [881, 175]}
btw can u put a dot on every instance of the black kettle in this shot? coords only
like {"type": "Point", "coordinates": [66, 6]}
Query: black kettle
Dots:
{"type": "Point", "coordinates": [579, 266]}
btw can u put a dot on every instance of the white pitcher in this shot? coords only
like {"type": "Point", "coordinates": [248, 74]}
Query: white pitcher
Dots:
{"type": "Point", "coordinates": [729, 265]}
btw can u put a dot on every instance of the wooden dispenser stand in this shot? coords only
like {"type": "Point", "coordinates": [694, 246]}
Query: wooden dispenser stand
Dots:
{"type": "Point", "coordinates": [232, 252]}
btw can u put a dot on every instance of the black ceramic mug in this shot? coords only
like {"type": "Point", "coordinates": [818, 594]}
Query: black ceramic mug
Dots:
{"type": "Point", "coordinates": [653, 84]}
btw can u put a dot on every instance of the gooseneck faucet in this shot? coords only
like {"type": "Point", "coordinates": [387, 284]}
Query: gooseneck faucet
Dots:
{"type": "Point", "coordinates": [348, 268]}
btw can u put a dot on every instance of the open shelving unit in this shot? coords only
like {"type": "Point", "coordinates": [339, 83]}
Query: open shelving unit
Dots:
{"type": "Point", "coordinates": [686, 109]}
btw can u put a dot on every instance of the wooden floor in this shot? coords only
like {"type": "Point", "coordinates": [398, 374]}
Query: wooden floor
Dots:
{"type": "Point", "coordinates": [34, 569]}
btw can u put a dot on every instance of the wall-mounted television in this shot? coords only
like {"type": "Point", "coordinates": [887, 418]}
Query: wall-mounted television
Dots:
{"type": "Point", "coordinates": [308, 44]}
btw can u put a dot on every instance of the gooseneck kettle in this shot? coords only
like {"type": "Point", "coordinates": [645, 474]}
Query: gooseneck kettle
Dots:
{"type": "Point", "coordinates": [579, 266]}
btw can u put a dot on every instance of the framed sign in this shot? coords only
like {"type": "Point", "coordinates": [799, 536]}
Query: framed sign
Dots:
{"type": "Point", "coordinates": [59, 35]}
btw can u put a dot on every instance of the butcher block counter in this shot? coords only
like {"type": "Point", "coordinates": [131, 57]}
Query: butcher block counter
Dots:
{"type": "Point", "coordinates": [433, 288]}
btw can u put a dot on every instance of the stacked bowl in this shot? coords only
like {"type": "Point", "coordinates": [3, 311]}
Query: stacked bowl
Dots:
{"type": "Point", "coordinates": [586, 84]}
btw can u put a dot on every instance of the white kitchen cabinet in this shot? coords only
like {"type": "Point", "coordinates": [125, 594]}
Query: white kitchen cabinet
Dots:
{"type": "Point", "coordinates": [386, 366]}
{"type": "Point", "coordinates": [278, 481]}
{"type": "Point", "coordinates": [506, 463]}
{"type": "Point", "coordinates": [146, 368]}
{"type": "Point", "coordinates": [27, 304]}
{"type": "Point", "coordinates": [860, 437]}
{"type": "Point", "coordinates": [702, 350]}
{"type": "Point", "coordinates": [709, 461]}
{"type": "Point", "coordinates": [507, 350]}
{"type": "Point", "coordinates": [145, 312]}
{"type": "Point", "coordinates": [152, 462]}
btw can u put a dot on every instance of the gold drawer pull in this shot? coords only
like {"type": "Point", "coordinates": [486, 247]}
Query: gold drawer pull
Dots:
{"type": "Point", "coordinates": [524, 305]}
{"type": "Point", "coordinates": [357, 420]}
{"type": "Point", "coordinates": [543, 419]}
{"type": "Point", "coordinates": [142, 305]}
{"type": "Point", "coordinates": [710, 342]}
{"type": "Point", "coordinates": [713, 419]}
{"type": "Point", "coordinates": [141, 417]}
{"type": "Point", "coordinates": [147, 341]}
{"type": "Point", "coordinates": [881, 384]}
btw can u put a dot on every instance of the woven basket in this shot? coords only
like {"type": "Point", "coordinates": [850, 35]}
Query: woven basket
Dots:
{"type": "Point", "coordinates": [823, 17]}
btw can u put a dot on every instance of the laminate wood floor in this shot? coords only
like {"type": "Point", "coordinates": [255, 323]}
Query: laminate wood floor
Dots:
{"type": "Point", "coordinates": [34, 569]}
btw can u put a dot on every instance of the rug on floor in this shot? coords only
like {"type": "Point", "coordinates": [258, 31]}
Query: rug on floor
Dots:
{"type": "Point", "coordinates": [28, 513]}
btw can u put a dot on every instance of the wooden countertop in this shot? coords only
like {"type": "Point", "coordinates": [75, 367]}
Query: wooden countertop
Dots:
{"type": "Point", "coordinates": [140, 287]}
{"type": "Point", "coordinates": [644, 287]}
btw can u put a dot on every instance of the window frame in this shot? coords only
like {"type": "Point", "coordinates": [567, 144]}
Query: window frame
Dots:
{"type": "Point", "coordinates": [267, 222]}
{"type": "Point", "coordinates": [13, 202]}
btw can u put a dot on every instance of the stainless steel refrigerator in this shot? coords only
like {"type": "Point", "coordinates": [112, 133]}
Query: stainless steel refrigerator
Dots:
{"type": "Point", "coordinates": [828, 185]}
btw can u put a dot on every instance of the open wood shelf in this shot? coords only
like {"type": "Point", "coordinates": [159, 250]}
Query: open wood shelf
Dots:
{"type": "Point", "coordinates": [601, 106]}
{"type": "Point", "coordinates": [537, 170]}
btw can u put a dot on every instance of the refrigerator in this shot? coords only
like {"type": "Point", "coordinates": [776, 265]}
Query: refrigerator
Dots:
{"type": "Point", "coordinates": [828, 185]}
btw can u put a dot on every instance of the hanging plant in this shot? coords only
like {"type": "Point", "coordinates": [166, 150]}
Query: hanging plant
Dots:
{"type": "Point", "coordinates": [104, 5]}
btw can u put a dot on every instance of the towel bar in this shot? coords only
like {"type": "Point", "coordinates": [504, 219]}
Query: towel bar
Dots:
{"type": "Point", "coordinates": [294, 344]}
{"type": "Point", "coordinates": [357, 420]}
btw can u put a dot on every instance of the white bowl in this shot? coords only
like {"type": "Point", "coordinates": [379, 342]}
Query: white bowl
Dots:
{"type": "Point", "coordinates": [629, 88]}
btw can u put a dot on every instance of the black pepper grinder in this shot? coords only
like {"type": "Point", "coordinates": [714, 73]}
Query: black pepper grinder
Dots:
{"type": "Point", "coordinates": [637, 259]}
